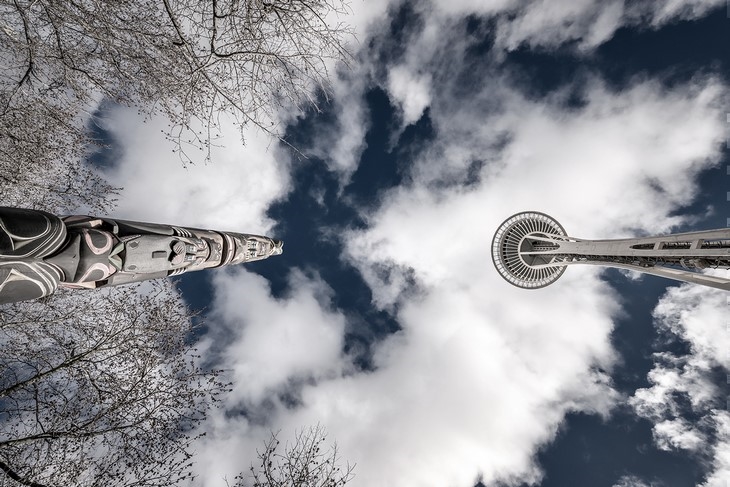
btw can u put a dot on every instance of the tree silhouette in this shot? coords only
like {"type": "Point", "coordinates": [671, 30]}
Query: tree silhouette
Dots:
{"type": "Point", "coordinates": [187, 60]}
{"type": "Point", "coordinates": [100, 389]}
{"type": "Point", "coordinates": [306, 462]}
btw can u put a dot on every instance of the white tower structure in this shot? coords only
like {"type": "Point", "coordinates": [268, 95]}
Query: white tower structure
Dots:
{"type": "Point", "coordinates": [531, 250]}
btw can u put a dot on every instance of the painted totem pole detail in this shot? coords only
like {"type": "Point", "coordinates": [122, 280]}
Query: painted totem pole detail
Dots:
{"type": "Point", "coordinates": [40, 251]}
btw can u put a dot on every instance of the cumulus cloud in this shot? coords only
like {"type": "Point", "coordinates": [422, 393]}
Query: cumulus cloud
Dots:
{"type": "Point", "coordinates": [546, 24]}
{"type": "Point", "coordinates": [270, 347]}
{"type": "Point", "coordinates": [341, 141]}
{"type": "Point", "coordinates": [411, 94]}
{"type": "Point", "coordinates": [232, 193]}
{"type": "Point", "coordinates": [540, 25]}
{"type": "Point", "coordinates": [720, 474]}
{"type": "Point", "coordinates": [665, 11]}
{"type": "Point", "coordinates": [677, 434]}
{"type": "Point", "coordinates": [276, 343]}
{"type": "Point", "coordinates": [671, 375]}
{"type": "Point", "coordinates": [460, 393]}
{"type": "Point", "coordinates": [697, 316]}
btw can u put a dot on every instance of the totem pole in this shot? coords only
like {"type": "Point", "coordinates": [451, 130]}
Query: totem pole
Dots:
{"type": "Point", "coordinates": [40, 251]}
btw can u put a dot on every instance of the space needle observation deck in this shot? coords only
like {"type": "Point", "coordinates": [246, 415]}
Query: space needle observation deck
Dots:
{"type": "Point", "coordinates": [531, 250]}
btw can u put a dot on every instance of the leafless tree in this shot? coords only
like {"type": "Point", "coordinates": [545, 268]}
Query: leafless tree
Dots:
{"type": "Point", "coordinates": [100, 389]}
{"type": "Point", "coordinates": [188, 60]}
{"type": "Point", "coordinates": [307, 462]}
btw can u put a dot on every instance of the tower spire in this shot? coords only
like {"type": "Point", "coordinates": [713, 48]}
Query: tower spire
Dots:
{"type": "Point", "coordinates": [531, 250]}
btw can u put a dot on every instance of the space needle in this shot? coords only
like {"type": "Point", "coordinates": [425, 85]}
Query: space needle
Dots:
{"type": "Point", "coordinates": [531, 250]}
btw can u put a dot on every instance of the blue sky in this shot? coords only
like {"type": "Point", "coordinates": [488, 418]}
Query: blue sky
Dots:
{"type": "Point", "coordinates": [384, 320]}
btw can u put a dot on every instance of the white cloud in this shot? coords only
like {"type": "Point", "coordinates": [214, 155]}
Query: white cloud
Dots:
{"type": "Point", "coordinates": [720, 475]}
{"type": "Point", "coordinates": [672, 375]}
{"type": "Point", "coordinates": [341, 142]}
{"type": "Point", "coordinates": [365, 13]}
{"type": "Point", "coordinates": [411, 94]}
{"type": "Point", "coordinates": [677, 434]}
{"type": "Point", "coordinates": [452, 395]}
{"type": "Point", "coordinates": [632, 481]}
{"type": "Point", "coordinates": [274, 343]}
{"type": "Point", "coordinates": [231, 193]}
{"type": "Point", "coordinates": [270, 347]}
{"type": "Point", "coordinates": [539, 24]}
{"type": "Point", "coordinates": [696, 315]}
{"type": "Point", "coordinates": [463, 392]}
{"type": "Point", "coordinates": [544, 24]}
{"type": "Point", "coordinates": [467, 388]}
{"type": "Point", "coordinates": [431, 47]}
{"type": "Point", "coordinates": [547, 24]}
{"type": "Point", "coordinates": [665, 11]}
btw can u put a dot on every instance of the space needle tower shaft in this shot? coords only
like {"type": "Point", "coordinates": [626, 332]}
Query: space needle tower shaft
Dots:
{"type": "Point", "coordinates": [531, 250]}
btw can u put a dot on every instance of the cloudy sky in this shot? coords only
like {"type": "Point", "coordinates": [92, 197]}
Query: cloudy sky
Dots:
{"type": "Point", "coordinates": [384, 320]}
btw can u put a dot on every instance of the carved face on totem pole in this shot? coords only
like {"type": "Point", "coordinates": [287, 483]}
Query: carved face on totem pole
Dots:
{"type": "Point", "coordinates": [40, 251]}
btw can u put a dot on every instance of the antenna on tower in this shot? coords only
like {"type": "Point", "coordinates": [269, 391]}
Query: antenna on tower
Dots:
{"type": "Point", "coordinates": [531, 250]}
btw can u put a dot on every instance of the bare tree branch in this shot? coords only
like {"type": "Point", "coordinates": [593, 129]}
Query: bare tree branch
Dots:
{"type": "Point", "coordinates": [107, 394]}
{"type": "Point", "coordinates": [14, 476]}
{"type": "Point", "coordinates": [306, 462]}
{"type": "Point", "coordinates": [186, 60]}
